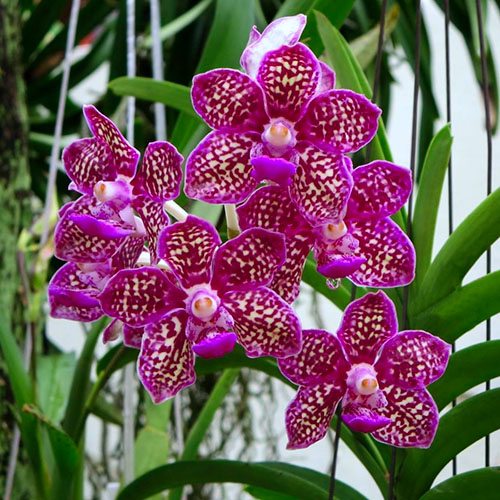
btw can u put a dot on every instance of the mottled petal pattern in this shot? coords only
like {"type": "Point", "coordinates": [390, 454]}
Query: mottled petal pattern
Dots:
{"type": "Point", "coordinates": [219, 169]}
{"type": "Point", "coordinates": [321, 186]}
{"type": "Point", "coordinates": [160, 175]}
{"type": "Point", "coordinates": [327, 78]}
{"type": "Point", "coordinates": [308, 416]}
{"type": "Point", "coordinates": [414, 417]}
{"type": "Point", "coordinates": [228, 99]}
{"type": "Point", "coordinates": [166, 361]}
{"type": "Point", "coordinates": [264, 324]}
{"type": "Point", "coordinates": [413, 359]}
{"type": "Point", "coordinates": [340, 120]}
{"type": "Point", "coordinates": [188, 248]}
{"type": "Point", "coordinates": [139, 296]}
{"type": "Point", "coordinates": [87, 162]}
{"type": "Point", "coordinates": [389, 254]}
{"type": "Point", "coordinates": [380, 189]}
{"type": "Point", "coordinates": [320, 360]}
{"type": "Point", "coordinates": [249, 260]}
{"type": "Point", "coordinates": [367, 323]}
{"type": "Point", "coordinates": [289, 77]}
{"type": "Point", "coordinates": [132, 336]}
{"type": "Point", "coordinates": [128, 253]}
{"type": "Point", "coordinates": [124, 155]}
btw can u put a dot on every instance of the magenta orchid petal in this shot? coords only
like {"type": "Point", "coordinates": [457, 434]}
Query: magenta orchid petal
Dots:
{"type": "Point", "coordinates": [283, 31]}
{"type": "Point", "coordinates": [278, 170]}
{"type": "Point", "coordinates": [327, 78]}
{"type": "Point", "coordinates": [308, 416]}
{"type": "Point", "coordinates": [340, 120]}
{"type": "Point", "coordinates": [413, 359]}
{"type": "Point", "coordinates": [389, 253]}
{"type": "Point", "coordinates": [367, 323]}
{"type": "Point", "coordinates": [155, 220]}
{"type": "Point", "coordinates": [166, 361]}
{"type": "Point", "coordinates": [249, 260]}
{"type": "Point", "coordinates": [160, 175]}
{"type": "Point", "coordinates": [360, 418]}
{"type": "Point", "coordinates": [263, 322]}
{"type": "Point", "coordinates": [128, 253]}
{"type": "Point", "coordinates": [188, 248]}
{"type": "Point", "coordinates": [139, 296]}
{"type": "Point", "coordinates": [229, 99]}
{"type": "Point", "coordinates": [219, 169]}
{"type": "Point", "coordinates": [124, 155]}
{"type": "Point", "coordinates": [87, 162]}
{"type": "Point", "coordinates": [103, 229]}
{"type": "Point", "coordinates": [289, 77]}
{"type": "Point", "coordinates": [112, 331]}
{"type": "Point", "coordinates": [414, 418]}
{"type": "Point", "coordinates": [380, 189]}
{"type": "Point", "coordinates": [339, 266]}
{"type": "Point", "coordinates": [132, 336]}
{"type": "Point", "coordinates": [215, 345]}
{"type": "Point", "coordinates": [321, 186]}
{"type": "Point", "coordinates": [320, 360]}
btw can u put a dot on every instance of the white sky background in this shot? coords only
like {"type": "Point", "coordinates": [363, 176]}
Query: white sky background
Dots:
{"type": "Point", "coordinates": [469, 176]}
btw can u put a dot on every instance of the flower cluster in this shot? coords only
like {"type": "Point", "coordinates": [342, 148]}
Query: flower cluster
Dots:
{"type": "Point", "coordinates": [279, 148]}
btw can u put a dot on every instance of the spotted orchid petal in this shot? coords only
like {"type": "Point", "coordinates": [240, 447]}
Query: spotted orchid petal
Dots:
{"type": "Point", "coordinates": [289, 77]}
{"type": "Point", "coordinates": [321, 186]}
{"type": "Point", "coordinates": [227, 99]}
{"type": "Point", "coordinates": [389, 254]}
{"type": "Point", "coordinates": [308, 416]}
{"type": "Point", "coordinates": [263, 322]}
{"type": "Point", "coordinates": [413, 359]}
{"type": "Point", "coordinates": [249, 260]}
{"type": "Point", "coordinates": [166, 361]}
{"type": "Point", "coordinates": [327, 78]}
{"type": "Point", "coordinates": [188, 248]}
{"type": "Point", "coordinates": [87, 162]}
{"type": "Point", "coordinates": [160, 175]}
{"type": "Point", "coordinates": [125, 157]}
{"type": "Point", "coordinates": [360, 418]}
{"type": "Point", "coordinates": [155, 220]}
{"type": "Point", "coordinates": [380, 189]}
{"type": "Point", "coordinates": [139, 296]}
{"type": "Point", "coordinates": [128, 253]}
{"type": "Point", "coordinates": [283, 31]}
{"type": "Point", "coordinates": [72, 298]}
{"type": "Point", "coordinates": [219, 169]}
{"type": "Point", "coordinates": [132, 336]}
{"type": "Point", "coordinates": [73, 244]}
{"type": "Point", "coordinates": [414, 418]}
{"type": "Point", "coordinates": [367, 323]}
{"type": "Point", "coordinates": [339, 120]}
{"type": "Point", "coordinates": [320, 360]}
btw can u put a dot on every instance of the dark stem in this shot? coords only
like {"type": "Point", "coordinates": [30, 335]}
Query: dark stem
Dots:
{"type": "Point", "coordinates": [336, 442]}
{"type": "Point", "coordinates": [392, 475]}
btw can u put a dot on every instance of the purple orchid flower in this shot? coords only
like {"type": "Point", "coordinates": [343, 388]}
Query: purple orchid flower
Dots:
{"type": "Point", "coordinates": [211, 296]}
{"type": "Point", "coordinates": [366, 245]}
{"type": "Point", "coordinates": [281, 122]}
{"type": "Point", "coordinates": [380, 375]}
{"type": "Point", "coordinates": [103, 169]}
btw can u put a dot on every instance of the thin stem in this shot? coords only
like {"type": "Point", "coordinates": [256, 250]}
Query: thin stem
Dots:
{"type": "Point", "coordinates": [336, 442]}
{"type": "Point", "coordinates": [175, 210]}
{"type": "Point", "coordinates": [233, 227]}
{"type": "Point", "coordinates": [392, 474]}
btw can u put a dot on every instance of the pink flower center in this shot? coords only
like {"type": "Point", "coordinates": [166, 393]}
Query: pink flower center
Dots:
{"type": "Point", "coordinates": [204, 304]}
{"type": "Point", "coordinates": [279, 137]}
{"type": "Point", "coordinates": [119, 190]}
{"type": "Point", "coordinates": [362, 379]}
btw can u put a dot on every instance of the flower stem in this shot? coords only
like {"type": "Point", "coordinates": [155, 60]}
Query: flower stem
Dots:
{"type": "Point", "coordinates": [233, 228]}
{"type": "Point", "coordinates": [335, 453]}
{"type": "Point", "coordinates": [176, 211]}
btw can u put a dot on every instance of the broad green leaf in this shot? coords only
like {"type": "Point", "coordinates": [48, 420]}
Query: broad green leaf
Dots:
{"type": "Point", "coordinates": [428, 197]}
{"type": "Point", "coordinates": [467, 368]}
{"type": "Point", "coordinates": [221, 471]}
{"type": "Point", "coordinates": [53, 383]}
{"type": "Point", "coordinates": [462, 249]}
{"type": "Point", "coordinates": [171, 94]}
{"type": "Point", "coordinates": [294, 7]}
{"type": "Point", "coordinates": [263, 494]}
{"type": "Point", "coordinates": [460, 427]}
{"type": "Point", "coordinates": [481, 484]}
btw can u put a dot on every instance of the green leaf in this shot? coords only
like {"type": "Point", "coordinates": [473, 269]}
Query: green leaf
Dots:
{"type": "Point", "coordinates": [171, 94]}
{"type": "Point", "coordinates": [107, 412]}
{"type": "Point", "coordinates": [428, 197]}
{"type": "Point", "coordinates": [460, 427]}
{"type": "Point", "coordinates": [221, 471]}
{"type": "Point", "coordinates": [207, 211]}
{"type": "Point", "coordinates": [482, 484]}
{"type": "Point", "coordinates": [462, 249]}
{"type": "Point", "coordinates": [263, 494]}
{"type": "Point", "coordinates": [467, 368]}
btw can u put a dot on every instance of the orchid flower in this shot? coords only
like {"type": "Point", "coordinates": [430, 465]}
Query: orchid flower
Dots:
{"type": "Point", "coordinates": [210, 296]}
{"type": "Point", "coordinates": [379, 374]}
{"type": "Point", "coordinates": [366, 245]}
{"type": "Point", "coordinates": [103, 169]}
{"type": "Point", "coordinates": [281, 122]}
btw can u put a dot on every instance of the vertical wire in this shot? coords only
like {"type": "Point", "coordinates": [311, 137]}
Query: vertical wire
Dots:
{"type": "Point", "coordinates": [416, 85]}
{"type": "Point", "coordinates": [56, 145]}
{"type": "Point", "coordinates": [450, 178]}
{"type": "Point", "coordinates": [486, 98]}
{"type": "Point", "coordinates": [129, 380]}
